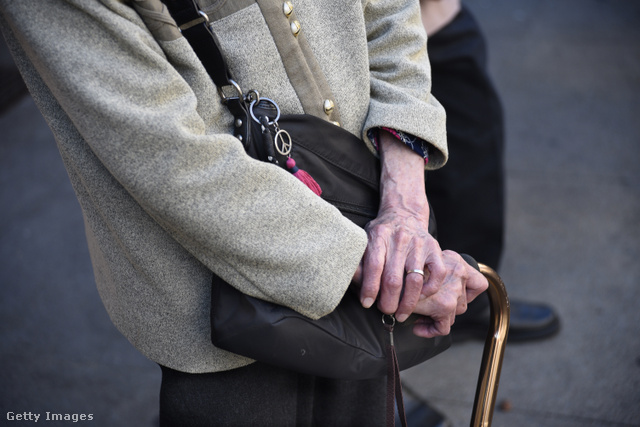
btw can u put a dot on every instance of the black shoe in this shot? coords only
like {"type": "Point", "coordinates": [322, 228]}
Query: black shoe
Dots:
{"type": "Point", "coordinates": [419, 414]}
{"type": "Point", "coordinates": [528, 322]}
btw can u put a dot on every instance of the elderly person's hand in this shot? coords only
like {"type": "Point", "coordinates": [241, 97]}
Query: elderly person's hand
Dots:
{"type": "Point", "coordinates": [399, 245]}
{"type": "Point", "coordinates": [461, 285]}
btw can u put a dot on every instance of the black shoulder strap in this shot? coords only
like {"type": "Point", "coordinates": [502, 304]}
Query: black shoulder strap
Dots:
{"type": "Point", "coordinates": [194, 25]}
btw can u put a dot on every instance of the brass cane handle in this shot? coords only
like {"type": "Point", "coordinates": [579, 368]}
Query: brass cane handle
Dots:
{"type": "Point", "coordinates": [493, 353]}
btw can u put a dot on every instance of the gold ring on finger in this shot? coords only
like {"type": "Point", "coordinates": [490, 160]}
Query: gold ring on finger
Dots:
{"type": "Point", "coordinates": [416, 270]}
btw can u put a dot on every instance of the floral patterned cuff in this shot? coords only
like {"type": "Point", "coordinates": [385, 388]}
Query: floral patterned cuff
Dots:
{"type": "Point", "coordinates": [418, 145]}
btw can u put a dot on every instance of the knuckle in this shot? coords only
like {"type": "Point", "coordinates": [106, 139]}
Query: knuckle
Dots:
{"type": "Point", "coordinates": [379, 227]}
{"type": "Point", "coordinates": [375, 265]}
{"type": "Point", "coordinates": [459, 270]}
{"type": "Point", "coordinates": [448, 302]}
{"type": "Point", "coordinates": [477, 285]}
{"type": "Point", "coordinates": [438, 269]}
{"type": "Point", "coordinates": [369, 288]}
{"type": "Point", "coordinates": [431, 287]}
{"type": "Point", "coordinates": [393, 282]}
{"type": "Point", "coordinates": [414, 281]}
{"type": "Point", "coordinates": [403, 235]}
{"type": "Point", "coordinates": [373, 260]}
{"type": "Point", "coordinates": [428, 290]}
{"type": "Point", "coordinates": [409, 299]}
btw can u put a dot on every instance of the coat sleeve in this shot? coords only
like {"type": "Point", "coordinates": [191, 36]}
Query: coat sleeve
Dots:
{"type": "Point", "coordinates": [250, 222]}
{"type": "Point", "coordinates": [401, 76]}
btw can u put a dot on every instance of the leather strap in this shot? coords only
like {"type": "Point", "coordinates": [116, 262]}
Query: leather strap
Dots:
{"type": "Point", "coordinates": [194, 25]}
{"type": "Point", "coordinates": [394, 386]}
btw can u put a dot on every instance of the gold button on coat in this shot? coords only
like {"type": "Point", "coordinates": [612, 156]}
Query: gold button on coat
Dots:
{"type": "Point", "coordinates": [328, 106]}
{"type": "Point", "coordinates": [295, 28]}
{"type": "Point", "coordinates": [287, 8]}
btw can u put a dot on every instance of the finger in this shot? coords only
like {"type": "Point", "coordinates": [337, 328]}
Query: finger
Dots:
{"type": "Point", "coordinates": [428, 327]}
{"type": "Point", "coordinates": [460, 272]}
{"type": "Point", "coordinates": [411, 295]}
{"type": "Point", "coordinates": [473, 281]}
{"type": "Point", "coordinates": [373, 265]}
{"type": "Point", "coordinates": [476, 284]}
{"type": "Point", "coordinates": [437, 273]}
{"type": "Point", "coordinates": [413, 282]}
{"type": "Point", "coordinates": [462, 305]}
{"type": "Point", "coordinates": [424, 328]}
{"type": "Point", "coordinates": [392, 285]}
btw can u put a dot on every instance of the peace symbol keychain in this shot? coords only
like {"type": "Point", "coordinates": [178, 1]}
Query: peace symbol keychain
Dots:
{"type": "Point", "coordinates": [281, 142]}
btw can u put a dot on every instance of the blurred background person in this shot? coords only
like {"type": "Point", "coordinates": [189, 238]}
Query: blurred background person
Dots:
{"type": "Point", "coordinates": [467, 194]}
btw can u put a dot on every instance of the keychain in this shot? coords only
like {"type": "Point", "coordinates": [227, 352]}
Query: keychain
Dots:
{"type": "Point", "coordinates": [278, 140]}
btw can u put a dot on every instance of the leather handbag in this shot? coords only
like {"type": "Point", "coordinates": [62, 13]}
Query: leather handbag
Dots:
{"type": "Point", "coordinates": [351, 342]}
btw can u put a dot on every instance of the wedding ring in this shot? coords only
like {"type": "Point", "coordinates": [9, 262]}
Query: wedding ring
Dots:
{"type": "Point", "coordinates": [416, 270]}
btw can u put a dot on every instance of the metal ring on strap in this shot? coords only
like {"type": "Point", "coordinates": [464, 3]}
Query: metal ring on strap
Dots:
{"type": "Point", "coordinates": [238, 90]}
{"type": "Point", "coordinates": [204, 16]}
{"type": "Point", "coordinates": [264, 99]}
{"type": "Point", "coordinates": [389, 320]}
{"type": "Point", "coordinates": [252, 95]}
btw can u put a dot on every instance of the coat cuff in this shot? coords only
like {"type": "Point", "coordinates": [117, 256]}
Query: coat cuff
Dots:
{"type": "Point", "coordinates": [418, 145]}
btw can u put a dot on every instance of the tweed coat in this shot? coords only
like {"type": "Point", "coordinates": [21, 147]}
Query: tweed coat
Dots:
{"type": "Point", "coordinates": [167, 194]}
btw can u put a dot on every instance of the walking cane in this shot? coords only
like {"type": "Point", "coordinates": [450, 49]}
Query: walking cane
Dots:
{"type": "Point", "coordinates": [493, 353]}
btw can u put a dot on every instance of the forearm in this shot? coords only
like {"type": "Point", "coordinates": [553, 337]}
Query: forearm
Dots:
{"type": "Point", "coordinates": [402, 184]}
{"type": "Point", "coordinates": [399, 240]}
{"type": "Point", "coordinates": [450, 282]}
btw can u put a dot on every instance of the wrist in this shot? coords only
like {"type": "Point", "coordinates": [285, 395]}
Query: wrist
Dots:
{"type": "Point", "coordinates": [402, 176]}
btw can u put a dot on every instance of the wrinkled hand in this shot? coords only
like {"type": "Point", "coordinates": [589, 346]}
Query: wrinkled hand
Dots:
{"type": "Point", "coordinates": [399, 242]}
{"type": "Point", "coordinates": [461, 285]}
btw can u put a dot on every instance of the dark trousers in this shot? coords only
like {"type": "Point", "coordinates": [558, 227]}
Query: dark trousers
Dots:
{"type": "Point", "coordinates": [467, 194]}
{"type": "Point", "coordinates": [261, 395]}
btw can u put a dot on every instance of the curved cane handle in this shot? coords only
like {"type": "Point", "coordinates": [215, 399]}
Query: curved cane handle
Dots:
{"type": "Point", "coordinates": [493, 353]}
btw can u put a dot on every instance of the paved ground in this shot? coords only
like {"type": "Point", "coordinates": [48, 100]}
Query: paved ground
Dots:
{"type": "Point", "coordinates": [569, 74]}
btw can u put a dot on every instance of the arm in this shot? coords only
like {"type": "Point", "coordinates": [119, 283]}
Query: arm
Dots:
{"type": "Point", "coordinates": [398, 237]}
{"type": "Point", "coordinates": [165, 142]}
{"type": "Point", "coordinates": [399, 242]}
{"type": "Point", "coordinates": [400, 99]}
